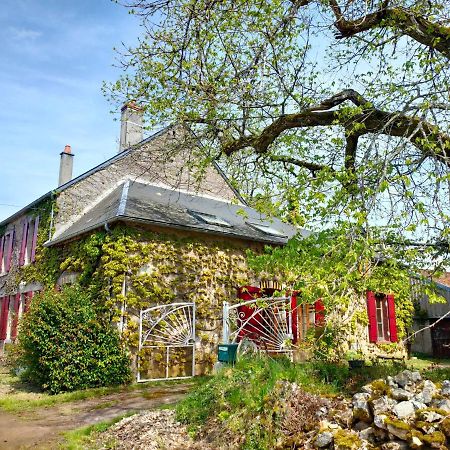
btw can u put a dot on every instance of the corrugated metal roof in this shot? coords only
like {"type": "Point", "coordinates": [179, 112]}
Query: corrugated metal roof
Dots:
{"type": "Point", "coordinates": [138, 202]}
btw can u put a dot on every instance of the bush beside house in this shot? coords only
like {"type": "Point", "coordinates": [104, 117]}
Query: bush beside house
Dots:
{"type": "Point", "coordinates": [64, 344]}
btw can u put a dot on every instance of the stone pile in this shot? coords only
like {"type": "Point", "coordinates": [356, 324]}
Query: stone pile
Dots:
{"type": "Point", "coordinates": [401, 412]}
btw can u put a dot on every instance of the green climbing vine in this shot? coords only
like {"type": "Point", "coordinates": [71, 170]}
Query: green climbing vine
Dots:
{"type": "Point", "coordinates": [127, 270]}
{"type": "Point", "coordinates": [45, 269]}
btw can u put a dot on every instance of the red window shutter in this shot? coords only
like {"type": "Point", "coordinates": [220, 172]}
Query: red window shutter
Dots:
{"type": "Point", "coordinates": [23, 246]}
{"type": "Point", "coordinates": [372, 314]}
{"type": "Point", "coordinates": [4, 318]}
{"type": "Point", "coordinates": [392, 318]}
{"type": "Point", "coordinates": [2, 243]}
{"type": "Point", "coordinates": [27, 301]}
{"type": "Point", "coordinates": [319, 312]}
{"type": "Point", "coordinates": [294, 317]}
{"type": "Point", "coordinates": [16, 316]}
{"type": "Point", "coordinates": [9, 251]}
{"type": "Point", "coordinates": [34, 242]}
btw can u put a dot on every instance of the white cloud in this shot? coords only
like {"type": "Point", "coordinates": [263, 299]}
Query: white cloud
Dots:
{"type": "Point", "coordinates": [24, 34]}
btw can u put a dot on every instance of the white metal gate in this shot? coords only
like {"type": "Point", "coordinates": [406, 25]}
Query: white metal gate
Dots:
{"type": "Point", "coordinates": [270, 324]}
{"type": "Point", "coordinates": [165, 333]}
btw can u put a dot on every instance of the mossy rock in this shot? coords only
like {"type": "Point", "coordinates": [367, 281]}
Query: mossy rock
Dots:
{"type": "Point", "coordinates": [436, 439]}
{"type": "Point", "coordinates": [346, 440]}
{"type": "Point", "coordinates": [380, 388]}
{"type": "Point", "coordinates": [415, 439]}
{"type": "Point", "coordinates": [421, 414]}
{"type": "Point", "coordinates": [398, 424]}
{"type": "Point", "coordinates": [445, 426]}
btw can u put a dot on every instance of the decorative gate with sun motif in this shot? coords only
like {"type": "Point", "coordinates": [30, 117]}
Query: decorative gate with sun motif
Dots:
{"type": "Point", "coordinates": [166, 342]}
{"type": "Point", "coordinates": [267, 325]}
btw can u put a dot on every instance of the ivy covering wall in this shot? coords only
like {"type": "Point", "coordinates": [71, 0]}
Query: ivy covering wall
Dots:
{"type": "Point", "coordinates": [125, 270]}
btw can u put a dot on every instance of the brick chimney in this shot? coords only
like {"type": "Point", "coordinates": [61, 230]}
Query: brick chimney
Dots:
{"type": "Point", "coordinates": [132, 125]}
{"type": "Point", "coordinates": [65, 166]}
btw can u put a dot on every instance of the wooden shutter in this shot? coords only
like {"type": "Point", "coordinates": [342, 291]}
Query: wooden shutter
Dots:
{"type": "Point", "coordinates": [16, 317]}
{"type": "Point", "coordinates": [9, 251]}
{"type": "Point", "coordinates": [372, 314]}
{"type": "Point", "coordinates": [319, 312]}
{"type": "Point", "coordinates": [27, 301]}
{"type": "Point", "coordinates": [2, 243]}
{"type": "Point", "coordinates": [4, 318]}
{"type": "Point", "coordinates": [23, 246]}
{"type": "Point", "coordinates": [34, 242]}
{"type": "Point", "coordinates": [392, 318]}
{"type": "Point", "coordinates": [294, 313]}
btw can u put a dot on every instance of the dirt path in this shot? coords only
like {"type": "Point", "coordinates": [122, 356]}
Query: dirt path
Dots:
{"type": "Point", "coordinates": [41, 428]}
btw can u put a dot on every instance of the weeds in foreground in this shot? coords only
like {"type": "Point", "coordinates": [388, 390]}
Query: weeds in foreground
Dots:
{"type": "Point", "coordinates": [244, 398]}
{"type": "Point", "coordinates": [243, 402]}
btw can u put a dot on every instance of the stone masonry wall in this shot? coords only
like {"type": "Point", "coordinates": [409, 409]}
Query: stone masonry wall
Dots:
{"type": "Point", "coordinates": [150, 162]}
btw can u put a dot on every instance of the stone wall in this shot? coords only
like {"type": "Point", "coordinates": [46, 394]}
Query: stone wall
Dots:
{"type": "Point", "coordinates": [352, 320]}
{"type": "Point", "coordinates": [161, 160]}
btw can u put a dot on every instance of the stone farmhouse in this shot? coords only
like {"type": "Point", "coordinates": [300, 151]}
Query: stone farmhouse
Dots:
{"type": "Point", "coordinates": [160, 248]}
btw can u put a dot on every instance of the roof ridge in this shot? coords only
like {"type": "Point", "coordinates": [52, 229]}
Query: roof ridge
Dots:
{"type": "Point", "coordinates": [123, 198]}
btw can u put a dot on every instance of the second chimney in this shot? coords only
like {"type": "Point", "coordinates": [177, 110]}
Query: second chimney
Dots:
{"type": "Point", "coordinates": [132, 126]}
{"type": "Point", "coordinates": [65, 166]}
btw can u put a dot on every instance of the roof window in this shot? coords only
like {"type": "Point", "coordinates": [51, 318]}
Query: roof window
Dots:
{"type": "Point", "coordinates": [211, 219]}
{"type": "Point", "coordinates": [267, 229]}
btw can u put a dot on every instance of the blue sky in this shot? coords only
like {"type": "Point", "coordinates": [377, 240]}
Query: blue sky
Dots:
{"type": "Point", "coordinates": [55, 56]}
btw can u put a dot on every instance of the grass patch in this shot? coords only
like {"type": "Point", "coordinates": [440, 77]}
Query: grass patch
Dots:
{"type": "Point", "coordinates": [105, 405]}
{"type": "Point", "coordinates": [84, 438]}
{"type": "Point", "coordinates": [438, 374]}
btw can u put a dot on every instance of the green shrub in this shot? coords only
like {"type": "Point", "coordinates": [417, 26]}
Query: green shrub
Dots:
{"type": "Point", "coordinates": [333, 373]}
{"type": "Point", "coordinates": [64, 344]}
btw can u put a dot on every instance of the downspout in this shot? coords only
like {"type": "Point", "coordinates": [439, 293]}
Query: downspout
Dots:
{"type": "Point", "coordinates": [124, 306]}
{"type": "Point", "coordinates": [52, 215]}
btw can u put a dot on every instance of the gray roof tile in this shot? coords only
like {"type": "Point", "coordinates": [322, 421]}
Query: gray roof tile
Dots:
{"type": "Point", "coordinates": [143, 203]}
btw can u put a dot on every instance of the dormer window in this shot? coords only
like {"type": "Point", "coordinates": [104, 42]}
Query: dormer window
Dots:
{"type": "Point", "coordinates": [266, 229]}
{"type": "Point", "coordinates": [211, 219]}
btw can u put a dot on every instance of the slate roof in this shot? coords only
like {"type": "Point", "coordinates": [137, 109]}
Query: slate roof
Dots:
{"type": "Point", "coordinates": [150, 204]}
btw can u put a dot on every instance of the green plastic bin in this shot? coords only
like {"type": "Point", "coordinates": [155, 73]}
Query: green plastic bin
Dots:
{"type": "Point", "coordinates": [227, 353]}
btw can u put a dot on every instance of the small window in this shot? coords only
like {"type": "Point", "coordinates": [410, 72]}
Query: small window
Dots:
{"type": "Point", "coordinates": [267, 229]}
{"type": "Point", "coordinates": [382, 318]}
{"type": "Point", "coordinates": [30, 243]}
{"type": "Point", "coordinates": [382, 325]}
{"type": "Point", "coordinates": [211, 219]}
{"type": "Point", "coordinates": [2, 254]}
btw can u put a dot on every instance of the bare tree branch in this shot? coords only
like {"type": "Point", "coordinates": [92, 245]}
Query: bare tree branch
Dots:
{"type": "Point", "coordinates": [423, 135]}
{"type": "Point", "coordinates": [422, 30]}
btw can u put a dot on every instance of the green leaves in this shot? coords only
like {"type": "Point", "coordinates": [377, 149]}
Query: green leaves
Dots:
{"type": "Point", "coordinates": [231, 70]}
{"type": "Point", "coordinates": [64, 344]}
{"type": "Point", "coordinates": [339, 265]}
